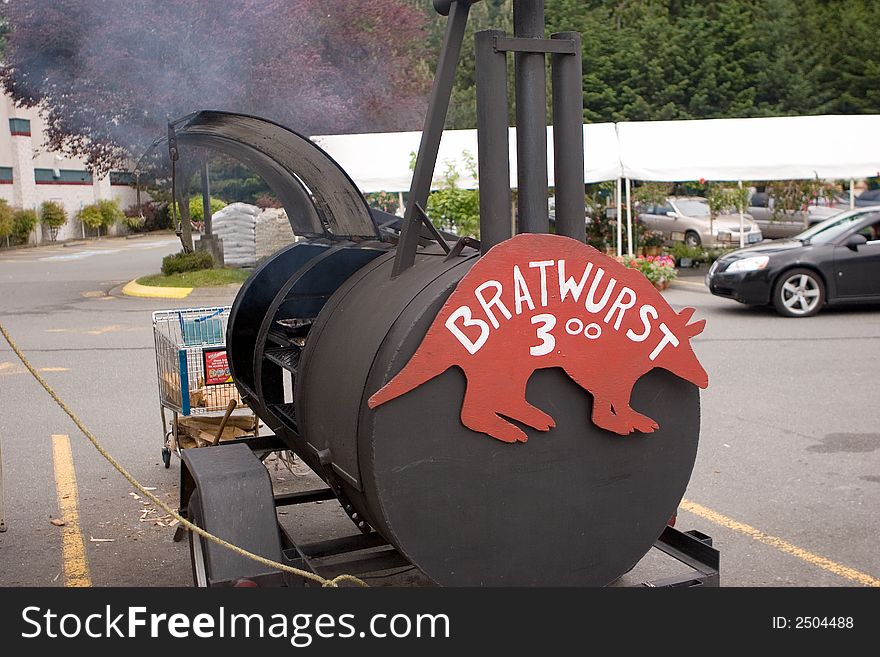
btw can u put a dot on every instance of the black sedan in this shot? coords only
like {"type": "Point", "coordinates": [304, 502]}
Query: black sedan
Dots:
{"type": "Point", "coordinates": [836, 261]}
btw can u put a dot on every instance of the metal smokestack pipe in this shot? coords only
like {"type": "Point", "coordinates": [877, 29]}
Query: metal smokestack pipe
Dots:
{"type": "Point", "coordinates": [568, 139]}
{"type": "Point", "coordinates": [531, 123]}
{"type": "Point", "coordinates": [493, 140]}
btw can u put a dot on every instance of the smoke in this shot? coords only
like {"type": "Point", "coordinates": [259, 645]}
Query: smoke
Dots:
{"type": "Point", "coordinates": [109, 74]}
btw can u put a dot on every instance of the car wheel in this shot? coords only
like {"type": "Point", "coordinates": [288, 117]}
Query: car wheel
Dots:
{"type": "Point", "coordinates": [799, 293]}
{"type": "Point", "coordinates": [692, 239]}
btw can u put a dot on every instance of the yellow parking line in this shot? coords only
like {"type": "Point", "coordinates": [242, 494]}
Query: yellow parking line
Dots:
{"type": "Point", "coordinates": [73, 547]}
{"type": "Point", "coordinates": [10, 369]}
{"type": "Point", "coordinates": [780, 544]}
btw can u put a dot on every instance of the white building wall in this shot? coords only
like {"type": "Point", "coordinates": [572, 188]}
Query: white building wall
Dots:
{"type": "Point", "coordinates": [24, 154]}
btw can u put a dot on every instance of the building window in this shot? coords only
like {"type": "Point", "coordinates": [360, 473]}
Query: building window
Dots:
{"type": "Point", "coordinates": [5, 175]}
{"type": "Point", "coordinates": [121, 178]}
{"type": "Point", "coordinates": [64, 177]}
{"type": "Point", "coordinates": [20, 127]}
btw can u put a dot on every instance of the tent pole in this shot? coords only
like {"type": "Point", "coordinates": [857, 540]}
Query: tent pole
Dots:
{"type": "Point", "coordinates": [618, 217]}
{"type": "Point", "coordinates": [742, 221]}
{"type": "Point", "coordinates": [629, 223]}
{"type": "Point", "coordinates": [852, 194]}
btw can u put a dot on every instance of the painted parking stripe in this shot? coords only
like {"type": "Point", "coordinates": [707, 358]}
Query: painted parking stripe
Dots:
{"type": "Point", "coordinates": [73, 548]}
{"type": "Point", "coordinates": [79, 256]}
{"type": "Point", "coordinates": [150, 245]}
{"type": "Point", "coordinates": [780, 544]}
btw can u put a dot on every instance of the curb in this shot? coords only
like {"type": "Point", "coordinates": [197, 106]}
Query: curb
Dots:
{"type": "Point", "coordinates": [135, 289]}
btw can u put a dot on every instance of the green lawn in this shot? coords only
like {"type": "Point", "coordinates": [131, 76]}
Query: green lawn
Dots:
{"type": "Point", "coordinates": [201, 278]}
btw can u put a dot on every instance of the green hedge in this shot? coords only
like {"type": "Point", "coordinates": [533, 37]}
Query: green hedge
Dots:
{"type": "Point", "coordinates": [178, 263]}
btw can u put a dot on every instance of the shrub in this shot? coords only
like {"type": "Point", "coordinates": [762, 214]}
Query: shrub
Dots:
{"type": "Point", "coordinates": [134, 222]}
{"type": "Point", "coordinates": [90, 215]}
{"type": "Point", "coordinates": [23, 222]}
{"type": "Point", "coordinates": [53, 216]}
{"type": "Point", "coordinates": [6, 214]}
{"type": "Point", "coordinates": [178, 263]}
{"type": "Point", "coordinates": [713, 254]}
{"type": "Point", "coordinates": [196, 209]}
{"type": "Point", "coordinates": [681, 250]}
{"type": "Point", "coordinates": [110, 211]}
{"type": "Point", "coordinates": [453, 208]}
{"type": "Point", "coordinates": [156, 216]}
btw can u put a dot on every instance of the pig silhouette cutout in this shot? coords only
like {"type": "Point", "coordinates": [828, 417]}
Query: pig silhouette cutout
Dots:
{"type": "Point", "coordinates": [538, 301]}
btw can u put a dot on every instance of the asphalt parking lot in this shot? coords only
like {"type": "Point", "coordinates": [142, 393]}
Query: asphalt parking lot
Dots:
{"type": "Point", "coordinates": [787, 479]}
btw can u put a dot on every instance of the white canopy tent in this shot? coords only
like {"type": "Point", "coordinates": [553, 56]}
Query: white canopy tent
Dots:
{"type": "Point", "coordinates": [780, 148]}
{"type": "Point", "coordinates": [380, 162]}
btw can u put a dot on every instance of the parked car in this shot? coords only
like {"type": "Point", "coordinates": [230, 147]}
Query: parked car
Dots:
{"type": "Point", "coordinates": [786, 223]}
{"type": "Point", "coordinates": [686, 219]}
{"type": "Point", "coordinates": [867, 198]}
{"type": "Point", "coordinates": [836, 261]}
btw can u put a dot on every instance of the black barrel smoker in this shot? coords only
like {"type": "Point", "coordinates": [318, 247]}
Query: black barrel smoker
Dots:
{"type": "Point", "coordinates": [327, 321]}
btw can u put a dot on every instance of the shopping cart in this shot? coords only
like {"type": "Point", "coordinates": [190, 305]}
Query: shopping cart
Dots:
{"type": "Point", "coordinates": [195, 383]}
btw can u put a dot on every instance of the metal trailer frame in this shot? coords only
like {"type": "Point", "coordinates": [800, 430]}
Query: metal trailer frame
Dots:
{"type": "Point", "coordinates": [245, 514]}
{"type": "Point", "coordinates": [182, 336]}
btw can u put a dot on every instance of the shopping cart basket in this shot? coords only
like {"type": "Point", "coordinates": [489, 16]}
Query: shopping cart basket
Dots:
{"type": "Point", "coordinates": [195, 383]}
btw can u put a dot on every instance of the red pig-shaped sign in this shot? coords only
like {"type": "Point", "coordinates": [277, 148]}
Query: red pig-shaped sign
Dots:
{"type": "Point", "coordinates": [537, 301]}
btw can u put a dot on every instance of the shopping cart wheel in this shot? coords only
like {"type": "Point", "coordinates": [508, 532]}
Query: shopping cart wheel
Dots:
{"type": "Point", "coordinates": [166, 457]}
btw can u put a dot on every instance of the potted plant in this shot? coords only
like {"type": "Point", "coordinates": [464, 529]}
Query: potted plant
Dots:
{"type": "Point", "coordinates": [687, 256]}
{"type": "Point", "coordinates": [659, 270]}
{"type": "Point", "coordinates": [653, 242]}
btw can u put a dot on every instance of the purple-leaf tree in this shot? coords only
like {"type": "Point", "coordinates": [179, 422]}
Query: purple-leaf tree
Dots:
{"type": "Point", "coordinates": [107, 75]}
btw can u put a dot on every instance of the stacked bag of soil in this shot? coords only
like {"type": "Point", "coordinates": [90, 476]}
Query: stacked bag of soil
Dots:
{"type": "Point", "coordinates": [235, 225]}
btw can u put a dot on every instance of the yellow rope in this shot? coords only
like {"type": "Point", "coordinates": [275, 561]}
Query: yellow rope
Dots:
{"type": "Point", "coordinates": [162, 505]}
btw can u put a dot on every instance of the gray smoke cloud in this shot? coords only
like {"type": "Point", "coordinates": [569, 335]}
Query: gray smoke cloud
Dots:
{"type": "Point", "coordinates": [117, 71]}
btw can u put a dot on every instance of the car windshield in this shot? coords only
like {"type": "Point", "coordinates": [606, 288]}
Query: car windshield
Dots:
{"type": "Point", "coordinates": [830, 229]}
{"type": "Point", "coordinates": [693, 208]}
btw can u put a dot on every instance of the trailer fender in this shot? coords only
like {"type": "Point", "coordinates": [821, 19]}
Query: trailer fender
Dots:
{"type": "Point", "coordinates": [234, 497]}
